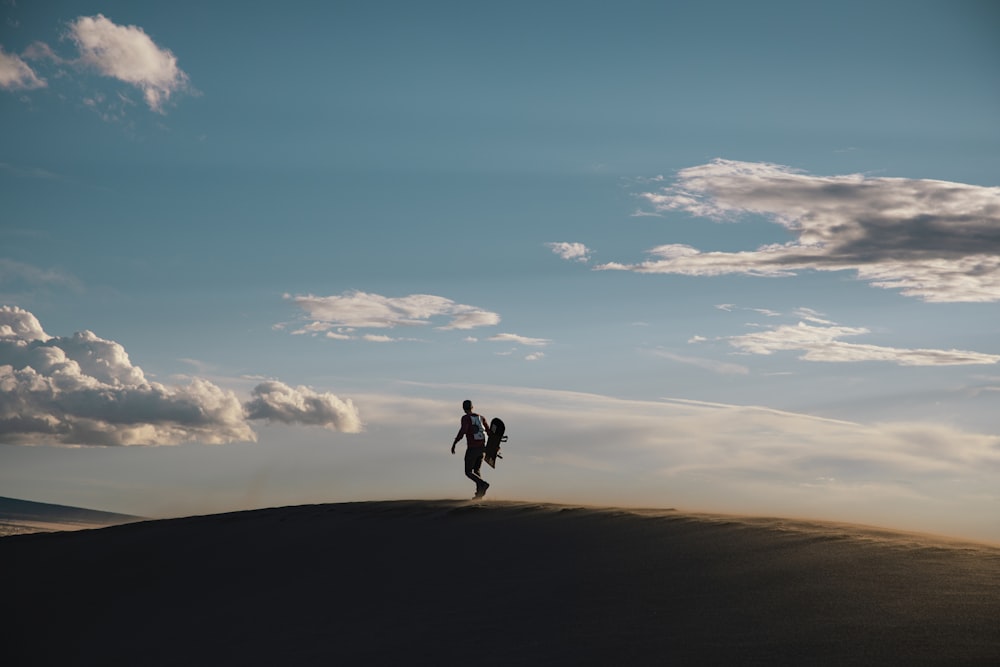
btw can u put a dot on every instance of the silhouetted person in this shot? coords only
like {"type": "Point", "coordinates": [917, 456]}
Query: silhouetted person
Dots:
{"type": "Point", "coordinates": [474, 427]}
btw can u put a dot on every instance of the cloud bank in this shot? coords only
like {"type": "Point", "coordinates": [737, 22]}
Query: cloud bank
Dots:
{"type": "Point", "coordinates": [339, 316]}
{"type": "Point", "coordinates": [935, 240]}
{"type": "Point", "coordinates": [84, 390]}
{"type": "Point", "coordinates": [577, 447]}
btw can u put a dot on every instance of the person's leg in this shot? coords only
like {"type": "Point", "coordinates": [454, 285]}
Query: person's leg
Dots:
{"type": "Point", "coordinates": [473, 463]}
{"type": "Point", "coordinates": [480, 488]}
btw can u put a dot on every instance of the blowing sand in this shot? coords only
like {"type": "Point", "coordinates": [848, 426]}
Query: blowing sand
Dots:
{"type": "Point", "coordinates": [496, 583]}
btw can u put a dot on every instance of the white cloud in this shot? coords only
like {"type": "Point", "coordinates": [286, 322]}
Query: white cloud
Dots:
{"type": "Point", "coordinates": [935, 240]}
{"type": "Point", "coordinates": [730, 307]}
{"type": "Point", "coordinates": [535, 356]}
{"type": "Point", "coordinates": [276, 401]}
{"type": "Point", "coordinates": [571, 251]}
{"type": "Point", "coordinates": [822, 343]}
{"type": "Point", "coordinates": [20, 327]}
{"type": "Point", "coordinates": [15, 74]}
{"type": "Point", "coordinates": [361, 310]}
{"type": "Point", "coordinates": [128, 54]}
{"type": "Point", "coordinates": [810, 315]}
{"type": "Point", "coordinates": [84, 390]}
{"type": "Point", "coordinates": [520, 340]}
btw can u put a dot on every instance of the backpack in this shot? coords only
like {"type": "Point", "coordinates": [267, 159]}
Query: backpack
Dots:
{"type": "Point", "coordinates": [478, 433]}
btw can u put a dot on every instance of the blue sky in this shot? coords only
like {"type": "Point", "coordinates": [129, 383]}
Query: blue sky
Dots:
{"type": "Point", "coordinates": [707, 255]}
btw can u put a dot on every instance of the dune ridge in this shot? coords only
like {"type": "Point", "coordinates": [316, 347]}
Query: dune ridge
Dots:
{"type": "Point", "coordinates": [444, 582]}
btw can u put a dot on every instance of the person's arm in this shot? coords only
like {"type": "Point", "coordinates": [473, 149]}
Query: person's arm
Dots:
{"type": "Point", "coordinates": [461, 432]}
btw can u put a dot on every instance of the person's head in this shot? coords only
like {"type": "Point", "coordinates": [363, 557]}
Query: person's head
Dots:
{"type": "Point", "coordinates": [466, 405]}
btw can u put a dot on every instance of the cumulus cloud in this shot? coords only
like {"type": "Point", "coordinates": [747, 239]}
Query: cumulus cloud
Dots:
{"type": "Point", "coordinates": [84, 390]}
{"type": "Point", "coordinates": [823, 343]}
{"type": "Point", "coordinates": [338, 316]}
{"type": "Point", "coordinates": [276, 401]}
{"type": "Point", "coordinates": [16, 74]}
{"type": "Point", "coordinates": [19, 327]}
{"type": "Point", "coordinates": [571, 251]}
{"type": "Point", "coordinates": [128, 54]}
{"type": "Point", "coordinates": [935, 240]}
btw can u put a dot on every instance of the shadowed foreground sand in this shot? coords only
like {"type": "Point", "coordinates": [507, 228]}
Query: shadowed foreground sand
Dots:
{"type": "Point", "coordinates": [498, 583]}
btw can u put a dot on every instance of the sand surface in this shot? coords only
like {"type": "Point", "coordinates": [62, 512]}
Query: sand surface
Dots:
{"type": "Point", "coordinates": [496, 583]}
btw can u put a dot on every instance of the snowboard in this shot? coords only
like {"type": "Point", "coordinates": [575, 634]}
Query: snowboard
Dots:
{"type": "Point", "coordinates": [496, 437]}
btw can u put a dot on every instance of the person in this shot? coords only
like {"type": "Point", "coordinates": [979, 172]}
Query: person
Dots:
{"type": "Point", "coordinates": [474, 428]}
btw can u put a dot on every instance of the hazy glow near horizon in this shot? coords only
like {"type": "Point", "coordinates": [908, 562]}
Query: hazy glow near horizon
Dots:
{"type": "Point", "coordinates": [759, 277]}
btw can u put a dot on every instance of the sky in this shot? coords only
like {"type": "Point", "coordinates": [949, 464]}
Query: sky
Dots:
{"type": "Point", "coordinates": [716, 256]}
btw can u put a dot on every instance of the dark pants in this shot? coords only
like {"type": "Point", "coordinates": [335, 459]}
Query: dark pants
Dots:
{"type": "Point", "coordinates": [473, 462]}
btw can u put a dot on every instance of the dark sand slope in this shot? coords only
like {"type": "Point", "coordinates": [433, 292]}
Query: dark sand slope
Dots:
{"type": "Point", "coordinates": [452, 583]}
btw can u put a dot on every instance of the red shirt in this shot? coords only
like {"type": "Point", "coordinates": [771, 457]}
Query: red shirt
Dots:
{"type": "Point", "coordinates": [469, 431]}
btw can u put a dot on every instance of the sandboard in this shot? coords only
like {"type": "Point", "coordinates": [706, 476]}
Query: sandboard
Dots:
{"type": "Point", "coordinates": [496, 436]}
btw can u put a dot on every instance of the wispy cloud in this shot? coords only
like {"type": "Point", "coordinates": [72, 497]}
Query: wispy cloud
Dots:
{"type": "Point", "coordinates": [823, 343]}
{"type": "Point", "coordinates": [14, 272]}
{"type": "Point", "coordinates": [128, 54]}
{"type": "Point", "coordinates": [16, 74]}
{"type": "Point", "coordinates": [728, 307]}
{"type": "Point", "coordinates": [935, 240]}
{"type": "Point", "coordinates": [339, 316]}
{"type": "Point", "coordinates": [28, 172]}
{"type": "Point", "coordinates": [820, 339]}
{"type": "Point", "coordinates": [713, 365]}
{"type": "Point", "coordinates": [84, 390]}
{"type": "Point", "coordinates": [519, 340]}
{"type": "Point", "coordinates": [571, 251]}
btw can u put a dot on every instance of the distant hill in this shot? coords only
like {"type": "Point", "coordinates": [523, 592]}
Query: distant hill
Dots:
{"type": "Point", "coordinates": [26, 516]}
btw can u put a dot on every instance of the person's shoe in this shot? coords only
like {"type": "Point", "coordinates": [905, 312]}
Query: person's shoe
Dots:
{"type": "Point", "coordinates": [481, 491]}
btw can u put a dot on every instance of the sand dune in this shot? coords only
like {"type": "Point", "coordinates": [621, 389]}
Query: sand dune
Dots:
{"type": "Point", "coordinates": [497, 583]}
